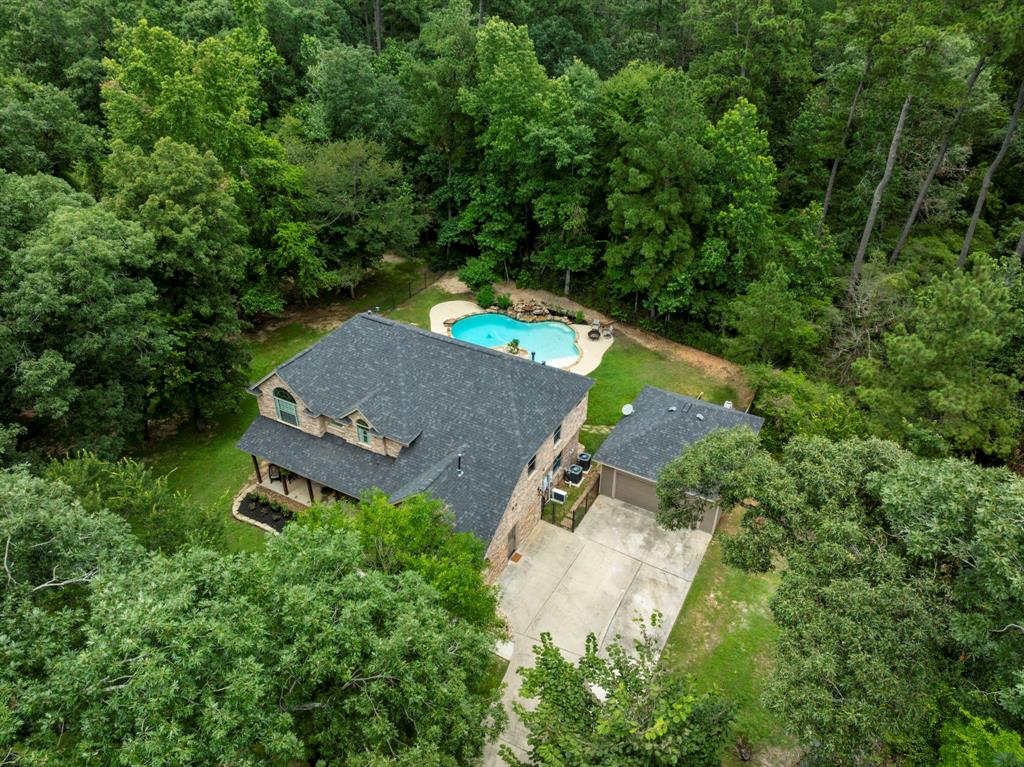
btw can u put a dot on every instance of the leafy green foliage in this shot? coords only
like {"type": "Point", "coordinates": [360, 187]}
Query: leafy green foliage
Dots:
{"type": "Point", "coordinates": [793, 404]}
{"type": "Point", "coordinates": [901, 578]}
{"type": "Point", "coordinates": [350, 96]}
{"type": "Point", "coordinates": [936, 386]}
{"type": "Point", "coordinates": [359, 205]}
{"type": "Point", "coordinates": [289, 654]}
{"type": "Point", "coordinates": [655, 189]}
{"type": "Point", "coordinates": [42, 129]}
{"type": "Point", "coordinates": [973, 741]}
{"type": "Point", "coordinates": [771, 323]}
{"type": "Point", "coordinates": [179, 196]}
{"type": "Point", "coordinates": [616, 708]}
{"type": "Point", "coordinates": [82, 335]}
{"type": "Point", "coordinates": [485, 296]}
{"type": "Point", "coordinates": [162, 519]}
{"type": "Point", "coordinates": [417, 535]}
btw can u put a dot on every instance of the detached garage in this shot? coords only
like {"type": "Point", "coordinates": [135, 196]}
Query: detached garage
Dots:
{"type": "Point", "coordinates": [660, 425]}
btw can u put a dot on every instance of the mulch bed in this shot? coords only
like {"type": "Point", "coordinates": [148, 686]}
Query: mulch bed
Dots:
{"type": "Point", "coordinates": [271, 514]}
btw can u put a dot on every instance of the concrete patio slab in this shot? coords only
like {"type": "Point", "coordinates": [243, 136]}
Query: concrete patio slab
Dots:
{"type": "Point", "coordinates": [619, 565]}
{"type": "Point", "coordinates": [635, 532]}
{"type": "Point", "coordinates": [652, 590]}
{"type": "Point", "coordinates": [586, 599]}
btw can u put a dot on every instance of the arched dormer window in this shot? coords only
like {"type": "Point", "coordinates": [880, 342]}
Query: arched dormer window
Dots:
{"type": "Point", "coordinates": [363, 432]}
{"type": "Point", "coordinates": [287, 410]}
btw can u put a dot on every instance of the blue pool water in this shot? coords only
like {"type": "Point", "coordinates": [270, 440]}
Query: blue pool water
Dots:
{"type": "Point", "coordinates": [551, 342]}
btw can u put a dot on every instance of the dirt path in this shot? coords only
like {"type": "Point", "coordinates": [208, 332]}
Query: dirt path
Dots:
{"type": "Point", "coordinates": [329, 316]}
{"type": "Point", "coordinates": [716, 367]}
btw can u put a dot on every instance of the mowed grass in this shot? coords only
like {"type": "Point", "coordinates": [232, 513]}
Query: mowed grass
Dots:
{"type": "Point", "coordinates": [724, 638]}
{"type": "Point", "coordinates": [207, 464]}
{"type": "Point", "coordinates": [416, 310]}
{"type": "Point", "coordinates": [627, 367]}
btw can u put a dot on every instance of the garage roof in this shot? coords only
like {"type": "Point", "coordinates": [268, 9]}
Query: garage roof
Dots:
{"type": "Point", "coordinates": [661, 426]}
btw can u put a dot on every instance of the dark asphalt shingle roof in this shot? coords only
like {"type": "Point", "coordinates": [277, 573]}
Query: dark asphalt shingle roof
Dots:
{"type": "Point", "coordinates": [440, 396]}
{"type": "Point", "coordinates": [653, 435]}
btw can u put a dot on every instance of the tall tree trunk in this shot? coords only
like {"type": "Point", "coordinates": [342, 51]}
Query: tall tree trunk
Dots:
{"type": "Point", "coordinates": [378, 23]}
{"type": "Point", "coordinates": [987, 181]}
{"type": "Point", "coordinates": [1020, 245]}
{"type": "Point", "coordinates": [876, 200]}
{"type": "Point", "coordinates": [568, 273]}
{"type": "Point", "coordinates": [936, 163]}
{"type": "Point", "coordinates": [480, 14]}
{"type": "Point", "coordinates": [846, 137]}
{"type": "Point", "coordinates": [448, 243]}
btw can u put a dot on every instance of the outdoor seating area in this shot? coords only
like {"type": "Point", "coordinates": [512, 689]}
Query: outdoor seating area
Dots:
{"type": "Point", "coordinates": [291, 487]}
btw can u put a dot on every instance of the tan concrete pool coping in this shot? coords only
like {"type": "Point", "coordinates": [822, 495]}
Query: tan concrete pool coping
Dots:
{"type": "Point", "coordinates": [591, 352]}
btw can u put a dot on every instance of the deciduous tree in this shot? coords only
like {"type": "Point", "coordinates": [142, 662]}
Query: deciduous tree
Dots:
{"type": "Point", "coordinates": [181, 198]}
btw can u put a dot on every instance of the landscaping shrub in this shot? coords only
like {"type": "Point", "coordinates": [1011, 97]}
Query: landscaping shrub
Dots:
{"type": "Point", "coordinates": [478, 272]}
{"type": "Point", "coordinates": [485, 296]}
{"type": "Point", "coordinates": [504, 301]}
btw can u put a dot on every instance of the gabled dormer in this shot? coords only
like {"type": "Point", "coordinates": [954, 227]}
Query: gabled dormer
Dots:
{"type": "Point", "coordinates": [277, 400]}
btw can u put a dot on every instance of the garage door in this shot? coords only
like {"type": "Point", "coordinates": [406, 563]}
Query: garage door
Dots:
{"type": "Point", "coordinates": [640, 492]}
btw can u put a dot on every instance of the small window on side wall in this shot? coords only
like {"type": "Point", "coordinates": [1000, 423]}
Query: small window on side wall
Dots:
{"type": "Point", "coordinates": [531, 465]}
{"type": "Point", "coordinates": [363, 432]}
{"type": "Point", "coordinates": [558, 434]}
{"type": "Point", "coordinates": [287, 410]}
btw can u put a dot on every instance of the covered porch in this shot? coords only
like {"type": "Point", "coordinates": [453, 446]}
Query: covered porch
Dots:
{"type": "Point", "coordinates": [291, 487]}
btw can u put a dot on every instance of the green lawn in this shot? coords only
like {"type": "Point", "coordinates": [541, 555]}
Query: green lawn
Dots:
{"type": "Point", "coordinates": [627, 367]}
{"type": "Point", "coordinates": [207, 464]}
{"type": "Point", "coordinates": [724, 638]}
{"type": "Point", "coordinates": [416, 310]}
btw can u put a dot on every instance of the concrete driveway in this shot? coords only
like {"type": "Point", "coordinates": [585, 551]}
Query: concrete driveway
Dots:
{"type": "Point", "coordinates": [617, 566]}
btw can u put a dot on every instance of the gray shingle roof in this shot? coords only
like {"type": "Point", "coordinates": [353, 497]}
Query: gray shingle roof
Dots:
{"type": "Point", "coordinates": [440, 396]}
{"type": "Point", "coordinates": [653, 435]}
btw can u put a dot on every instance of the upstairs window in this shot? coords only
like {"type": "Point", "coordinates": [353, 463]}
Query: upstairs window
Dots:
{"type": "Point", "coordinates": [558, 434]}
{"type": "Point", "coordinates": [531, 465]}
{"type": "Point", "coordinates": [363, 432]}
{"type": "Point", "coordinates": [287, 410]}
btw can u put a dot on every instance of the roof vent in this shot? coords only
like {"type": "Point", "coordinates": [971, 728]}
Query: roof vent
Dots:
{"type": "Point", "coordinates": [727, 404]}
{"type": "Point", "coordinates": [627, 409]}
{"type": "Point", "coordinates": [459, 472]}
{"type": "Point", "coordinates": [700, 416]}
{"type": "Point", "coordinates": [672, 409]}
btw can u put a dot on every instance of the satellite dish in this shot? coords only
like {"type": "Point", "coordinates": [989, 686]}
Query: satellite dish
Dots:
{"type": "Point", "coordinates": [627, 409]}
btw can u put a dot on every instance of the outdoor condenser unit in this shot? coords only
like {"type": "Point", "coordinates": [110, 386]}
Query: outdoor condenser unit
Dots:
{"type": "Point", "coordinates": [558, 496]}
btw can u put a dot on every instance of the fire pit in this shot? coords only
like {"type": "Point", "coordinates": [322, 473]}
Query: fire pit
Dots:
{"type": "Point", "coordinates": [594, 334]}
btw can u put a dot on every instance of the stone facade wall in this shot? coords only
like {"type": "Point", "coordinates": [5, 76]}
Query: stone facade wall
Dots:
{"type": "Point", "coordinates": [524, 505]}
{"type": "Point", "coordinates": [377, 444]}
{"type": "Point", "coordinates": [265, 403]}
{"type": "Point", "coordinates": [319, 425]}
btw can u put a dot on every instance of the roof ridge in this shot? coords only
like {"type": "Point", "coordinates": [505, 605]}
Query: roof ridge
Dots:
{"type": "Point", "coordinates": [432, 336]}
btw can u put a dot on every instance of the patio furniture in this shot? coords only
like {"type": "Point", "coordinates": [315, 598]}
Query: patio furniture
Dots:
{"type": "Point", "coordinates": [273, 472]}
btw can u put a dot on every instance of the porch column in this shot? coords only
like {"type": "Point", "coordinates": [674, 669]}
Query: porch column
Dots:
{"type": "Point", "coordinates": [284, 482]}
{"type": "Point", "coordinates": [256, 465]}
{"type": "Point", "coordinates": [309, 486]}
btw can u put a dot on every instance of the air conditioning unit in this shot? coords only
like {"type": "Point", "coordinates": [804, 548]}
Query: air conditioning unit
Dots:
{"type": "Point", "coordinates": [574, 474]}
{"type": "Point", "coordinates": [558, 495]}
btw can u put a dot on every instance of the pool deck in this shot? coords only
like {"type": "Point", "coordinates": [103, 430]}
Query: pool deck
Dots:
{"type": "Point", "coordinates": [591, 352]}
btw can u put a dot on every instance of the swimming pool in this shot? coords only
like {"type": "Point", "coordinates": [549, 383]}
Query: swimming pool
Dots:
{"type": "Point", "coordinates": [551, 342]}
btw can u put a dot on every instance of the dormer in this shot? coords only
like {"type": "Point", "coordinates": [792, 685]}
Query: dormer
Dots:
{"type": "Point", "coordinates": [359, 430]}
{"type": "Point", "coordinates": [277, 400]}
